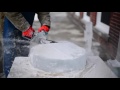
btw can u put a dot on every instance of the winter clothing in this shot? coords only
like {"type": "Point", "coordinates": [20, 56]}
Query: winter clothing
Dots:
{"type": "Point", "coordinates": [16, 24]}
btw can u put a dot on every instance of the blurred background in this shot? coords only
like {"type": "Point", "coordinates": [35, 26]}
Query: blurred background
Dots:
{"type": "Point", "coordinates": [63, 29]}
{"type": "Point", "coordinates": [97, 32]}
{"type": "Point", "coordinates": [71, 26]}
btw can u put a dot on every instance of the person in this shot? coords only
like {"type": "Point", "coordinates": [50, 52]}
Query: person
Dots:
{"type": "Point", "coordinates": [18, 27]}
{"type": "Point", "coordinates": [1, 45]}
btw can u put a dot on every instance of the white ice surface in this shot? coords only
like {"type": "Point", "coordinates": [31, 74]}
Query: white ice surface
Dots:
{"type": "Point", "coordinates": [58, 57]}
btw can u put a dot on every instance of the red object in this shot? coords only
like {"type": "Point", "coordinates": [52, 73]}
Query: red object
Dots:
{"type": "Point", "coordinates": [28, 33]}
{"type": "Point", "coordinates": [44, 28]}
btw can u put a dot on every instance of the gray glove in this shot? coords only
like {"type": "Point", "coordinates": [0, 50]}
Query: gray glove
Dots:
{"type": "Point", "coordinates": [40, 38]}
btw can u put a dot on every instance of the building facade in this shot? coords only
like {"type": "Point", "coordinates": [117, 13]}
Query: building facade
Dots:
{"type": "Point", "coordinates": [106, 29]}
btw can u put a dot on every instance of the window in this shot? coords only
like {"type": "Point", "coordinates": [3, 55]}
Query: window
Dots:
{"type": "Point", "coordinates": [88, 14]}
{"type": "Point", "coordinates": [103, 20]}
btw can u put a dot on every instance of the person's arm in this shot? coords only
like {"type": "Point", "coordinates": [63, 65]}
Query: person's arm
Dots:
{"type": "Point", "coordinates": [1, 43]}
{"type": "Point", "coordinates": [17, 19]}
{"type": "Point", "coordinates": [44, 18]}
{"type": "Point", "coordinates": [1, 21]}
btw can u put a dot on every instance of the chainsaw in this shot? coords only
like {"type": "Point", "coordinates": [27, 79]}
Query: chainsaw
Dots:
{"type": "Point", "coordinates": [40, 38]}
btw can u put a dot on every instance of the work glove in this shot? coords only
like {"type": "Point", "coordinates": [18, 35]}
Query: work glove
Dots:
{"type": "Point", "coordinates": [41, 36]}
{"type": "Point", "coordinates": [44, 28]}
{"type": "Point", "coordinates": [29, 33]}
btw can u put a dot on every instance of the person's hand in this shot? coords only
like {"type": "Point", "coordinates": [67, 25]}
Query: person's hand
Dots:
{"type": "Point", "coordinates": [41, 35]}
{"type": "Point", "coordinates": [29, 33]}
{"type": "Point", "coordinates": [44, 28]}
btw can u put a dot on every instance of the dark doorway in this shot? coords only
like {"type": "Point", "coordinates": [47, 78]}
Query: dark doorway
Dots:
{"type": "Point", "coordinates": [105, 17]}
{"type": "Point", "coordinates": [88, 14]}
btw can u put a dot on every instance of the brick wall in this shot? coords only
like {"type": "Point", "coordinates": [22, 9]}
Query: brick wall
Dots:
{"type": "Point", "coordinates": [93, 17]}
{"type": "Point", "coordinates": [114, 32]}
{"type": "Point", "coordinates": [81, 14]}
{"type": "Point", "coordinates": [110, 46]}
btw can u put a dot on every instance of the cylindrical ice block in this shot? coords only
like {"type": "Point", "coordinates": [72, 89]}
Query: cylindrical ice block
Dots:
{"type": "Point", "coordinates": [58, 57]}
